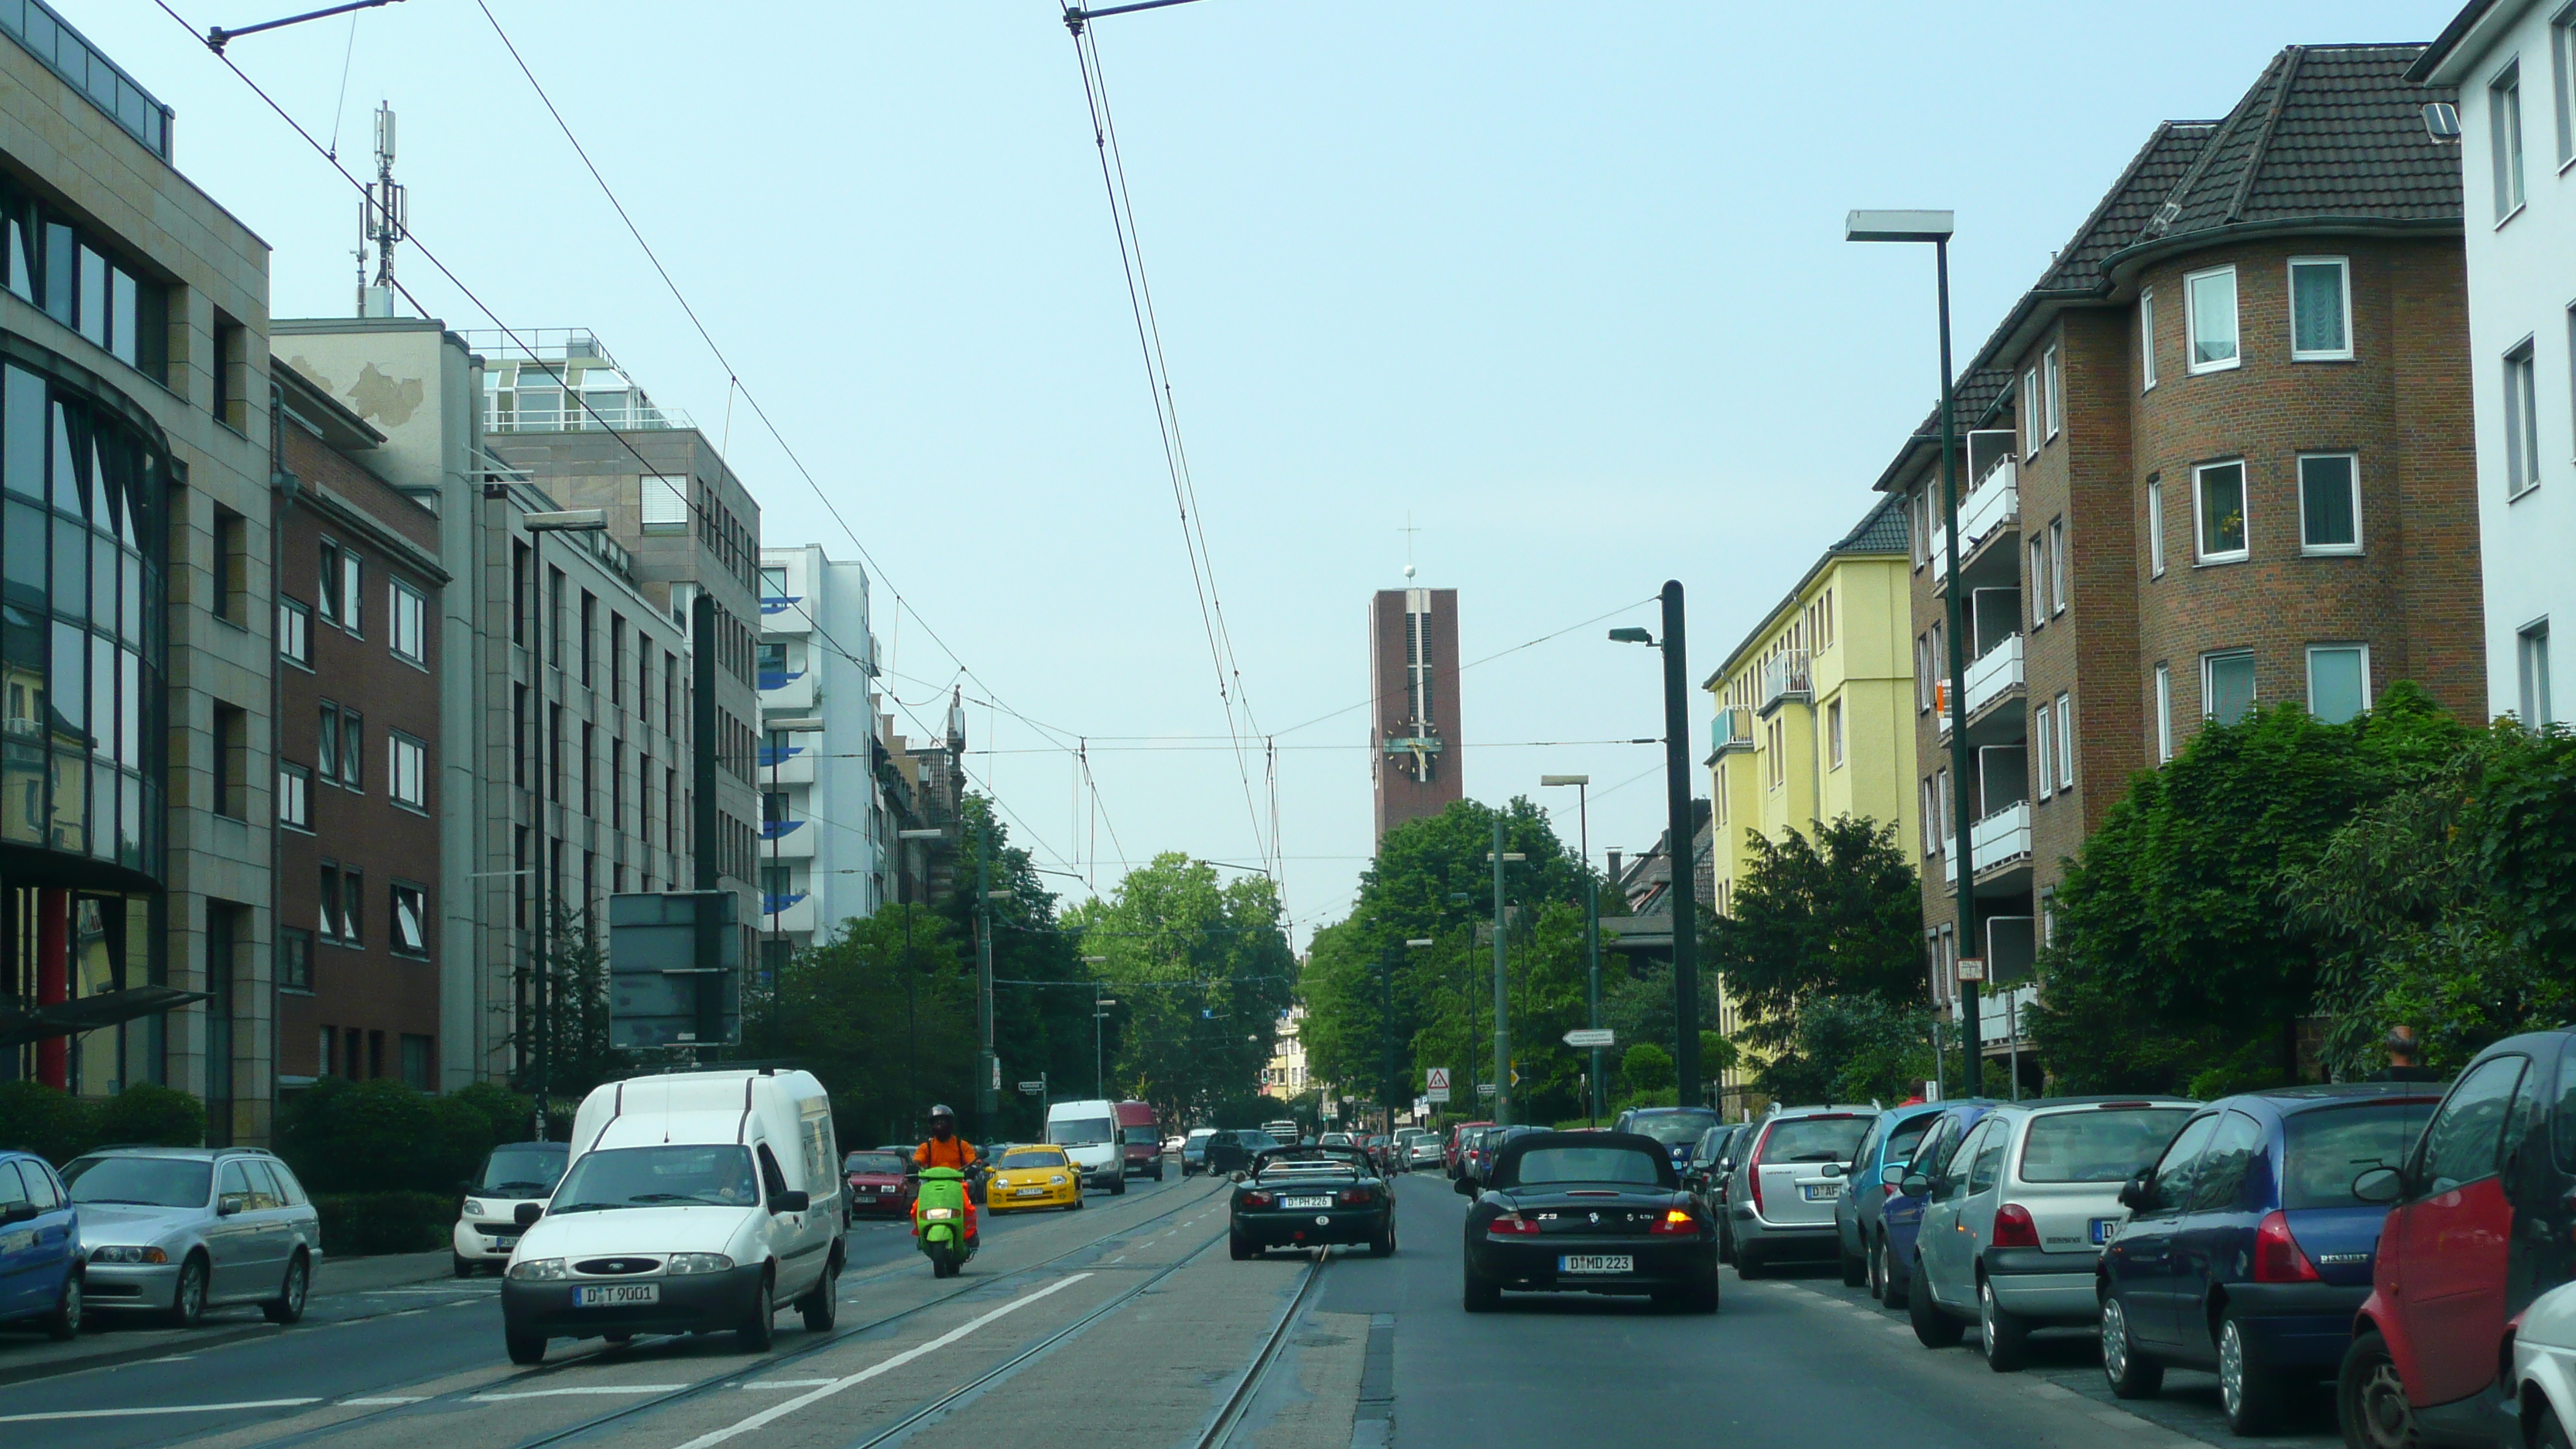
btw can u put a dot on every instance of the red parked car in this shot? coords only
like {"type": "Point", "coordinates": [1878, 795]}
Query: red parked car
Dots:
{"type": "Point", "coordinates": [878, 1185]}
{"type": "Point", "coordinates": [1452, 1151]}
{"type": "Point", "coordinates": [2481, 1222]}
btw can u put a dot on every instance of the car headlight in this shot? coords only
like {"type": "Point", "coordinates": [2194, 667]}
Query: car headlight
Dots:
{"type": "Point", "coordinates": [1058, 1179]}
{"type": "Point", "coordinates": [700, 1263]}
{"type": "Point", "coordinates": [537, 1270]}
{"type": "Point", "coordinates": [938, 1214]}
{"type": "Point", "coordinates": [474, 1208]}
{"type": "Point", "coordinates": [127, 1254]}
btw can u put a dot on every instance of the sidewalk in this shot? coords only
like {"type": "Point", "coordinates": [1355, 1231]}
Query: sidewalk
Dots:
{"type": "Point", "coordinates": [108, 1339]}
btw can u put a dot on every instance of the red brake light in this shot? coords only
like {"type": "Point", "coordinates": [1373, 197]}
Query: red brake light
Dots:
{"type": "Point", "coordinates": [1355, 1196]}
{"type": "Point", "coordinates": [1511, 1225]}
{"type": "Point", "coordinates": [1675, 1221]}
{"type": "Point", "coordinates": [1257, 1199]}
{"type": "Point", "coordinates": [2013, 1228]}
{"type": "Point", "coordinates": [2277, 1258]}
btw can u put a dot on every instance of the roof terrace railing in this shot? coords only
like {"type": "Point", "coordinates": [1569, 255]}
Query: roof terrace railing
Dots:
{"type": "Point", "coordinates": [85, 68]}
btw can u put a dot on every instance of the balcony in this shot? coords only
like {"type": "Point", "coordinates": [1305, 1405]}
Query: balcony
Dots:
{"type": "Point", "coordinates": [794, 913]}
{"type": "Point", "coordinates": [1732, 729]}
{"type": "Point", "coordinates": [1996, 673]}
{"type": "Point", "coordinates": [1999, 839]}
{"type": "Point", "coordinates": [1786, 676]}
{"type": "Point", "coordinates": [1992, 503]}
{"type": "Point", "coordinates": [2003, 1016]}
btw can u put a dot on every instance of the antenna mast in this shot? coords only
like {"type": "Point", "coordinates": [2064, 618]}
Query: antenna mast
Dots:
{"type": "Point", "coordinates": [383, 219]}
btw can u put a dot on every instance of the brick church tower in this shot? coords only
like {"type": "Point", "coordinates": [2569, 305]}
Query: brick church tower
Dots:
{"type": "Point", "coordinates": [1413, 680]}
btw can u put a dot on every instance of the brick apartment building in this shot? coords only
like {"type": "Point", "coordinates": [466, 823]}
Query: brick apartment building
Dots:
{"type": "Point", "coordinates": [358, 758]}
{"type": "Point", "coordinates": [2221, 455]}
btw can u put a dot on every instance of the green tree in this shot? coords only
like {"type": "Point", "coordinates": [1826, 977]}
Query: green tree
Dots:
{"type": "Point", "coordinates": [886, 1032]}
{"type": "Point", "coordinates": [1830, 912]}
{"type": "Point", "coordinates": [1646, 1069]}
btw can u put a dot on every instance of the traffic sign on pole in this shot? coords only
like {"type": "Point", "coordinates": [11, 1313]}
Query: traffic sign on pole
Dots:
{"type": "Point", "coordinates": [1600, 1036]}
{"type": "Point", "coordinates": [1436, 1078]}
{"type": "Point", "coordinates": [1032, 1088]}
{"type": "Point", "coordinates": [1484, 1089]}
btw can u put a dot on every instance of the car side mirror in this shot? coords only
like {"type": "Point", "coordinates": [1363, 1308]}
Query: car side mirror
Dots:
{"type": "Point", "coordinates": [527, 1213]}
{"type": "Point", "coordinates": [2382, 1184]}
{"type": "Point", "coordinates": [1465, 1186]}
{"type": "Point", "coordinates": [2134, 1193]}
{"type": "Point", "coordinates": [227, 1205]}
{"type": "Point", "coordinates": [790, 1201]}
{"type": "Point", "coordinates": [1893, 1174]}
{"type": "Point", "coordinates": [1836, 1169]}
{"type": "Point", "coordinates": [1915, 1184]}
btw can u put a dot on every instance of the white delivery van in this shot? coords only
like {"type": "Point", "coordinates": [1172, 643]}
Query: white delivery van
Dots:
{"type": "Point", "coordinates": [1088, 1133]}
{"type": "Point", "coordinates": [694, 1202]}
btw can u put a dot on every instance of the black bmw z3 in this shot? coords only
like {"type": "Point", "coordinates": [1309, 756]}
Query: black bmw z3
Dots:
{"type": "Point", "coordinates": [1309, 1197]}
{"type": "Point", "coordinates": [1588, 1212]}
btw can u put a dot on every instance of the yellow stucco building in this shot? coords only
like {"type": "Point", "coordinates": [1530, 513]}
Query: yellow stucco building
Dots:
{"type": "Point", "coordinates": [1815, 710]}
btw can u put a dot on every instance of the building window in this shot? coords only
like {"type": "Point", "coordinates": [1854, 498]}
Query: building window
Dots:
{"type": "Point", "coordinates": [2562, 49]}
{"type": "Point", "coordinates": [328, 917]}
{"type": "Point", "coordinates": [555, 585]}
{"type": "Point", "coordinates": [410, 611]}
{"type": "Point", "coordinates": [2053, 377]}
{"type": "Point", "coordinates": [2155, 526]}
{"type": "Point", "coordinates": [2227, 685]}
{"type": "Point", "coordinates": [1931, 811]}
{"type": "Point", "coordinates": [2329, 503]}
{"type": "Point", "coordinates": [2210, 309]}
{"type": "Point", "coordinates": [418, 1058]}
{"type": "Point", "coordinates": [2531, 654]}
{"type": "Point", "coordinates": [326, 742]}
{"type": "Point", "coordinates": [2065, 742]}
{"type": "Point", "coordinates": [231, 762]}
{"type": "Point", "coordinates": [327, 582]}
{"type": "Point", "coordinates": [410, 917]}
{"type": "Point", "coordinates": [353, 749]}
{"type": "Point", "coordinates": [353, 593]}
{"type": "Point", "coordinates": [294, 632]}
{"type": "Point", "coordinates": [589, 631]}
{"type": "Point", "coordinates": [353, 896]}
{"type": "Point", "coordinates": [2521, 422]}
{"type": "Point", "coordinates": [1922, 673]}
{"type": "Point", "coordinates": [1834, 735]}
{"type": "Point", "coordinates": [294, 796]}
{"type": "Point", "coordinates": [2218, 508]}
{"type": "Point", "coordinates": [2164, 714]}
{"type": "Point", "coordinates": [2504, 134]}
{"type": "Point", "coordinates": [407, 771]}
{"type": "Point", "coordinates": [665, 505]}
{"type": "Point", "coordinates": [2029, 409]}
{"type": "Point", "coordinates": [2147, 338]}
{"type": "Point", "coordinates": [617, 785]}
{"type": "Point", "coordinates": [2042, 738]}
{"type": "Point", "coordinates": [2320, 309]}
{"type": "Point", "coordinates": [2057, 566]}
{"type": "Point", "coordinates": [294, 959]}
{"type": "Point", "coordinates": [232, 567]}
{"type": "Point", "coordinates": [2338, 681]}
{"type": "Point", "coordinates": [2038, 580]}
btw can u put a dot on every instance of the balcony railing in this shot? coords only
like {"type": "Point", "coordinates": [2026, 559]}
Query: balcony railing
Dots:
{"type": "Point", "coordinates": [555, 413]}
{"type": "Point", "coordinates": [1996, 673]}
{"type": "Point", "coordinates": [1999, 839]}
{"type": "Point", "coordinates": [1787, 675]}
{"type": "Point", "coordinates": [1732, 729]}
{"type": "Point", "coordinates": [1992, 503]}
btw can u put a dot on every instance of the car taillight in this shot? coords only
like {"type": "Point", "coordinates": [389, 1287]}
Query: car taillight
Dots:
{"type": "Point", "coordinates": [2277, 1258]}
{"type": "Point", "coordinates": [2013, 1228]}
{"type": "Point", "coordinates": [1257, 1199]}
{"type": "Point", "coordinates": [1675, 1222]}
{"type": "Point", "coordinates": [1753, 1180]}
{"type": "Point", "coordinates": [1511, 1225]}
{"type": "Point", "coordinates": [1355, 1196]}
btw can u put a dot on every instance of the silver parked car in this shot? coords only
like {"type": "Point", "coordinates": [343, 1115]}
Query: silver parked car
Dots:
{"type": "Point", "coordinates": [177, 1230]}
{"type": "Point", "coordinates": [1785, 1182]}
{"type": "Point", "coordinates": [2014, 1221]}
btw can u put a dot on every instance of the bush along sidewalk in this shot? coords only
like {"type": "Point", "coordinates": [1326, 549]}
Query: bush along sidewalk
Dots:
{"type": "Point", "coordinates": [363, 1224]}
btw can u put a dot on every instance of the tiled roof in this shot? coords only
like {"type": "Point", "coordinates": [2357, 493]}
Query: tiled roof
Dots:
{"type": "Point", "coordinates": [2122, 214]}
{"type": "Point", "coordinates": [1882, 531]}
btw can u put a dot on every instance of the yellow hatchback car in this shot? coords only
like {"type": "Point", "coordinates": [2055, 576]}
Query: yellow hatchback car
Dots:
{"type": "Point", "coordinates": [1037, 1175]}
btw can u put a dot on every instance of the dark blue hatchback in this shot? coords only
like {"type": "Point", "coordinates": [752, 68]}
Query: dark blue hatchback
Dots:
{"type": "Point", "coordinates": [2245, 1250]}
{"type": "Point", "coordinates": [40, 1279]}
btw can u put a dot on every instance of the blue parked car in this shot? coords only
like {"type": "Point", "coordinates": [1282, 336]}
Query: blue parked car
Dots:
{"type": "Point", "coordinates": [2246, 1251]}
{"type": "Point", "coordinates": [1677, 1128]}
{"type": "Point", "coordinates": [1889, 1253]}
{"type": "Point", "coordinates": [1867, 1189]}
{"type": "Point", "coordinates": [40, 1269]}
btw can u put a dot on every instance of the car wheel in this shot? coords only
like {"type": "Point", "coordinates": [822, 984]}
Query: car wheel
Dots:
{"type": "Point", "coordinates": [1383, 1245]}
{"type": "Point", "coordinates": [1240, 1248]}
{"type": "Point", "coordinates": [2370, 1398]}
{"type": "Point", "coordinates": [2133, 1375]}
{"type": "Point", "coordinates": [1855, 1270]}
{"type": "Point", "coordinates": [288, 1305]}
{"type": "Point", "coordinates": [822, 1305]}
{"type": "Point", "coordinates": [2553, 1435]}
{"type": "Point", "coordinates": [1702, 1295]}
{"type": "Point", "coordinates": [64, 1323]}
{"type": "Point", "coordinates": [1725, 1242]}
{"type": "Point", "coordinates": [188, 1299]}
{"type": "Point", "coordinates": [525, 1348]}
{"type": "Point", "coordinates": [1748, 1261]}
{"type": "Point", "coordinates": [761, 1328]}
{"type": "Point", "coordinates": [465, 1266]}
{"type": "Point", "coordinates": [1932, 1327]}
{"type": "Point", "coordinates": [1480, 1294]}
{"type": "Point", "coordinates": [1876, 1254]}
{"type": "Point", "coordinates": [1890, 1292]}
{"type": "Point", "coordinates": [2002, 1334]}
{"type": "Point", "coordinates": [2252, 1395]}
{"type": "Point", "coordinates": [1118, 1185]}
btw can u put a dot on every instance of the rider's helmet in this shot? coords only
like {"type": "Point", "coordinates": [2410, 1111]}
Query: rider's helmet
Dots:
{"type": "Point", "coordinates": [943, 1110]}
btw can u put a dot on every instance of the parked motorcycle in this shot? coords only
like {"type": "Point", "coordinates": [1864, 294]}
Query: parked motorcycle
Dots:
{"type": "Point", "coordinates": [940, 1217]}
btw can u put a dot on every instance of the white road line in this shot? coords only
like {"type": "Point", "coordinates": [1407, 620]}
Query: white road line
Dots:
{"type": "Point", "coordinates": [587, 1389]}
{"type": "Point", "coordinates": [776, 1412]}
{"type": "Point", "coordinates": [174, 1358]}
{"type": "Point", "coordinates": [787, 1384]}
{"type": "Point", "coordinates": [163, 1409]}
{"type": "Point", "coordinates": [388, 1399]}
{"type": "Point", "coordinates": [1121, 1258]}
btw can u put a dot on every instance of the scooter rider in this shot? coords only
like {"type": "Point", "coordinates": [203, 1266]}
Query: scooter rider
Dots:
{"type": "Point", "coordinates": [946, 1149]}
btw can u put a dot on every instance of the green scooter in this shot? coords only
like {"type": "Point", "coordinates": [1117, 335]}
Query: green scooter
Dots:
{"type": "Point", "coordinates": [942, 1220]}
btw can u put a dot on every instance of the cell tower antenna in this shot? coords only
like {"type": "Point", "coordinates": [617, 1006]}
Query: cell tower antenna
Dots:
{"type": "Point", "coordinates": [1408, 531]}
{"type": "Point", "coordinates": [384, 218]}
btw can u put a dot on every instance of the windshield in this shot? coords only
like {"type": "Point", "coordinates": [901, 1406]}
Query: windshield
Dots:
{"type": "Point", "coordinates": [1674, 1129]}
{"type": "Point", "coordinates": [1033, 1157]}
{"type": "Point", "coordinates": [1256, 1141]}
{"type": "Point", "coordinates": [2329, 1147]}
{"type": "Point", "coordinates": [717, 1175]}
{"type": "Point", "coordinates": [1199, 1135]}
{"type": "Point", "coordinates": [2097, 1146]}
{"type": "Point", "coordinates": [1081, 1131]}
{"type": "Point", "coordinates": [1814, 1139]}
{"type": "Point", "coordinates": [143, 1181]}
{"type": "Point", "coordinates": [522, 1171]}
{"type": "Point", "coordinates": [1542, 1165]}
{"type": "Point", "coordinates": [1902, 1142]}
{"type": "Point", "coordinates": [880, 1164]}
{"type": "Point", "coordinates": [1136, 1135]}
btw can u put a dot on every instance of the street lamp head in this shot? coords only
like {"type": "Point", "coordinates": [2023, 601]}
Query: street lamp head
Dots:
{"type": "Point", "coordinates": [1546, 780]}
{"type": "Point", "coordinates": [1631, 635]}
{"type": "Point", "coordinates": [570, 520]}
{"type": "Point", "coordinates": [1899, 226]}
{"type": "Point", "coordinates": [800, 725]}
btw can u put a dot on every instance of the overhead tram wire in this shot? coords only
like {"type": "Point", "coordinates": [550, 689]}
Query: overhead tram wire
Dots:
{"type": "Point", "coordinates": [426, 254]}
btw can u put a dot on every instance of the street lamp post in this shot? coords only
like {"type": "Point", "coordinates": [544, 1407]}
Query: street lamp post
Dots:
{"type": "Point", "coordinates": [1099, 1061]}
{"type": "Point", "coordinates": [1502, 985]}
{"type": "Point", "coordinates": [1936, 227]}
{"type": "Point", "coordinates": [573, 520]}
{"type": "Point", "coordinates": [911, 1006]}
{"type": "Point", "coordinates": [779, 730]}
{"type": "Point", "coordinates": [1591, 928]}
{"type": "Point", "coordinates": [1680, 838]}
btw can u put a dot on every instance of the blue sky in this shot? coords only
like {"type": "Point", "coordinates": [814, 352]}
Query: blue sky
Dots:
{"type": "Point", "coordinates": [1565, 284]}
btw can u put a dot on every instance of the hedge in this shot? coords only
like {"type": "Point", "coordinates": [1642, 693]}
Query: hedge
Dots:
{"type": "Point", "coordinates": [58, 1126]}
{"type": "Point", "coordinates": [358, 1224]}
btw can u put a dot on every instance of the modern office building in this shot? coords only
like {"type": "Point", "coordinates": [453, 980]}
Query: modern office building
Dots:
{"type": "Point", "coordinates": [136, 525]}
{"type": "Point", "coordinates": [826, 832]}
{"type": "Point", "coordinates": [1414, 732]}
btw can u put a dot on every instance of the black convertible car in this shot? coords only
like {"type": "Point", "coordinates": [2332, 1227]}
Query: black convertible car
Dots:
{"type": "Point", "coordinates": [1588, 1212]}
{"type": "Point", "coordinates": [1308, 1197]}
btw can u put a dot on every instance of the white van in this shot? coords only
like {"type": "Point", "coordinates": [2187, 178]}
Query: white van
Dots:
{"type": "Point", "coordinates": [694, 1202]}
{"type": "Point", "coordinates": [1088, 1133]}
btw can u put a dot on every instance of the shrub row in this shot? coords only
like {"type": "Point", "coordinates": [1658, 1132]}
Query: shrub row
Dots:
{"type": "Point", "coordinates": [357, 1224]}
{"type": "Point", "coordinates": [58, 1126]}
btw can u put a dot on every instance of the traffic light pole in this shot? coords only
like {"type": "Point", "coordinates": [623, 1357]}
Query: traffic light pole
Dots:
{"type": "Point", "coordinates": [1502, 1000]}
{"type": "Point", "coordinates": [1682, 851]}
{"type": "Point", "coordinates": [985, 1065]}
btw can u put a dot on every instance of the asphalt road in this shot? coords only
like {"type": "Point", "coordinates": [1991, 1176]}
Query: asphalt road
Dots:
{"type": "Point", "coordinates": [1127, 1323]}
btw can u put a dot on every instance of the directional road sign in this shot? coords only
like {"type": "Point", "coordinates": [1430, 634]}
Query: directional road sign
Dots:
{"type": "Point", "coordinates": [1599, 1036]}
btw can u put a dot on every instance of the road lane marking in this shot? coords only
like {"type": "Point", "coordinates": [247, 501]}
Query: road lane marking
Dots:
{"type": "Point", "coordinates": [162, 1409]}
{"type": "Point", "coordinates": [378, 1399]}
{"type": "Point", "coordinates": [776, 1412]}
{"type": "Point", "coordinates": [586, 1389]}
{"type": "Point", "coordinates": [787, 1384]}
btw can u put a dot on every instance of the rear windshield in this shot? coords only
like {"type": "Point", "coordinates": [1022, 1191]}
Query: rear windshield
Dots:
{"type": "Point", "coordinates": [882, 1163]}
{"type": "Point", "coordinates": [1145, 1135]}
{"type": "Point", "coordinates": [1674, 1128]}
{"type": "Point", "coordinates": [2098, 1146]}
{"type": "Point", "coordinates": [1814, 1139]}
{"type": "Point", "coordinates": [1902, 1142]}
{"type": "Point", "coordinates": [1542, 1165]}
{"type": "Point", "coordinates": [2330, 1146]}
{"type": "Point", "coordinates": [1034, 1157]}
{"type": "Point", "coordinates": [1082, 1131]}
